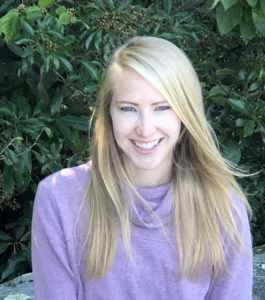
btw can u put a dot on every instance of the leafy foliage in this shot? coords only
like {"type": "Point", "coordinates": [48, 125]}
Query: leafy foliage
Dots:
{"type": "Point", "coordinates": [52, 58]}
{"type": "Point", "coordinates": [248, 14]}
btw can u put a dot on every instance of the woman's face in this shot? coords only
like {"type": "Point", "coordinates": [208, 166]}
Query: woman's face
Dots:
{"type": "Point", "coordinates": [144, 125]}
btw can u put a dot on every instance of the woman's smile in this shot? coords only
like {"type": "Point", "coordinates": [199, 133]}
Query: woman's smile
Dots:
{"type": "Point", "coordinates": [146, 147]}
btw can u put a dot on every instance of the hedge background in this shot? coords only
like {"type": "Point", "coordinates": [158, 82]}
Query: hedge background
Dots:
{"type": "Point", "coordinates": [52, 57]}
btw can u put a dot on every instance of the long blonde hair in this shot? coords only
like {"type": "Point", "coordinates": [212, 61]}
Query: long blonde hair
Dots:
{"type": "Point", "coordinates": [203, 181]}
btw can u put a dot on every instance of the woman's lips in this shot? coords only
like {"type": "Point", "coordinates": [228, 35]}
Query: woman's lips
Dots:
{"type": "Point", "coordinates": [146, 147]}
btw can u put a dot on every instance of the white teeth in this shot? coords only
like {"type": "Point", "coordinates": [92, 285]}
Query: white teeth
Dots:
{"type": "Point", "coordinates": [146, 146]}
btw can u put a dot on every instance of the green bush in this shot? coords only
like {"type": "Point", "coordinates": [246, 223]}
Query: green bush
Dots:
{"type": "Point", "coordinates": [52, 58]}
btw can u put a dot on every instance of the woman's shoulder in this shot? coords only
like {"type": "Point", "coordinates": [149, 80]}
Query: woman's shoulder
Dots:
{"type": "Point", "coordinates": [239, 204]}
{"type": "Point", "coordinates": [58, 199]}
{"type": "Point", "coordinates": [68, 177]}
{"type": "Point", "coordinates": [241, 213]}
{"type": "Point", "coordinates": [64, 189]}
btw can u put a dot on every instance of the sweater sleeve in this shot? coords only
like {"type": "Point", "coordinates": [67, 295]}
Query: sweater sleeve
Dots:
{"type": "Point", "coordinates": [236, 285]}
{"type": "Point", "coordinates": [52, 273]}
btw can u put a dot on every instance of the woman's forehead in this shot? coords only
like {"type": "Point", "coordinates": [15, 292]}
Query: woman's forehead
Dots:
{"type": "Point", "coordinates": [130, 86]}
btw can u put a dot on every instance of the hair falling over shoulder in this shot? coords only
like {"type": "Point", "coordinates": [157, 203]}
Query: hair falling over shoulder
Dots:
{"type": "Point", "coordinates": [204, 210]}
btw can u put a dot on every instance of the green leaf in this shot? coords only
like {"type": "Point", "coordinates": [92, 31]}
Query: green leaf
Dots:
{"type": "Point", "coordinates": [4, 236]}
{"type": "Point", "coordinates": [95, 6]}
{"type": "Point", "coordinates": [8, 182]}
{"type": "Point", "coordinates": [262, 132]}
{"type": "Point", "coordinates": [49, 135]}
{"type": "Point", "coordinates": [25, 237]}
{"type": "Point", "coordinates": [89, 39]}
{"type": "Point", "coordinates": [4, 246]}
{"type": "Point", "coordinates": [262, 5]}
{"type": "Point", "coordinates": [64, 18]}
{"type": "Point", "coordinates": [6, 4]}
{"type": "Point", "coordinates": [254, 86]}
{"type": "Point", "coordinates": [242, 74]}
{"type": "Point", "coordinates": [232, 151]}
{"type": "Point", "coordinates": [32, 122]}
{"type": "Point", "coordinates": [19, 231]}
{"type": "Point", "coordinates": [33, 13]}
{"type": "Point", "coordinates": [252, 3]}
{"type": "Point", "coordinates": [22, 41]}
{"type": "Point", "coordinates": [9, 25]}
{"type": "Point", "coordinates": [238, 105]}
{"type": "Point", "coordinates": [46, 3]}
{"type": "Point", "coordinates": [12, 264]}
{"type": "Point", "coordinates": [228, 3]}
{"type": "Point", "coordinates": [91, 87]}
{"type": "Point", "coordinates": [249, 128]}
{"type": "Point", "coordinates": [20, 51]}
{"type": "Point", "coordinates": [110, 4]}
{"type": "Point", "coordinates": [247, 30]}
{"type": "Point", "coordinates": [228, 19]}
{"type": "Point", "coordinates": [66, 63]}
{"type": "Point", "coordinates": [240, 122]}
{"type": "Point", "coordinates": [64, 128]}
{"type": "Point", "coordinates": [98, 40]}
{"type": "Point", "coordinates": [262, 74]}
{"type": "Point", "coordinates": [259, 20]}
{"type": "Point", "coordinates": [50, 167]}
{"type": "Point", "coordinates": [40, 158]}
{"type": "Point", "coordinates": [124, 4]}
{"type": "Point", "coordinates": [27, 51]}
{"type": "Point", "coordinates": [56, 63]}
{"type": "Point", "coordinates": [6, 111]}
{"type": "Point", "coordinates": [11, 155]}
{"type": "Point", "coordinates": [91, 68]}
{"type": "Point", "coordinates": [21, 182]}
{"type": "Point", "coordinates": [60, 10]}
{"type": "Point", "coordinates": [167, 5]}
{"type": "Point", "coordinates": [72, 161]}
{"type": "Point", "coordinates": [47, 61]}
{"type": "Point", "coordinates": [78, 122]}
{"type": "Point", "coordinates": [252, 75]}
{"type": "Point", "coordinates": [8, 162]}
{"type": "Point", "coordinates": [57, 101]}
{"type": "Point", "coordinates": [21, 221]}
{"type": "Point", "coordinates": [26, 27]}
{"type": "Point", "coordinates": [56, 34]}
{"type": "Point", "coordinates": [225, 71]}
{"type": "Point", "coordinates": [25, 163]}
{"type": "Point", "coordinates": [99, 3]}
{"type": "Point", "coordinates": [217, 90]}
{"type": "Point", "coordinates": [211, 4]}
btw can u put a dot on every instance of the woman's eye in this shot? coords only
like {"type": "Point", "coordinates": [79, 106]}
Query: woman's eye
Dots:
{"type": "Point", "coordinates": [161, 108]}
{"type": "Point", "coordinates": [127, 108]}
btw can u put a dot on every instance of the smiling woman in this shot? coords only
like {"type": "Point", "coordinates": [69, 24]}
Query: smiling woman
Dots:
{"type": "Point", "coordinates": [159, 214]}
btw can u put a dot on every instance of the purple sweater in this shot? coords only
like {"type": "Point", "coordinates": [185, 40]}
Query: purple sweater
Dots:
{"type": "Point", "coordinates": [58, 269]}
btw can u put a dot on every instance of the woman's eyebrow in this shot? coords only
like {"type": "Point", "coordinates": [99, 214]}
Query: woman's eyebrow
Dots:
{"type": "Point", "coordinates": [137, 104]}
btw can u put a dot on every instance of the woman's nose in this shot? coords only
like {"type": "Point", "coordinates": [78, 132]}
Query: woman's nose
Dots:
{"type": "Point", "coordinates": [145, 125]}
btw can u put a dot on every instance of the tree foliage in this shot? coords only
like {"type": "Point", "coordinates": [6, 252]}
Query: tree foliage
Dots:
{"type": "Point", "coordinates": [247, 15]}
{"type": "Point", "coordinates": [52, 59]}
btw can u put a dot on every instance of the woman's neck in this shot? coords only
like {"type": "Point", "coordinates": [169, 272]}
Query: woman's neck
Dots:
{"type": "Point", "coordinates": [148, 178]}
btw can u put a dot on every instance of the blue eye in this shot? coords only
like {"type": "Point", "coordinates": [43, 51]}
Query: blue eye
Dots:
{"type": "Point", "coordinates": [163, 107]}
{"type": "Point", "coordinates": [127, 108]}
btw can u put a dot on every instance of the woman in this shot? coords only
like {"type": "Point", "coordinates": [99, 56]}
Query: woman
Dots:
{"type": "Point", "coordinates": [159, 215]}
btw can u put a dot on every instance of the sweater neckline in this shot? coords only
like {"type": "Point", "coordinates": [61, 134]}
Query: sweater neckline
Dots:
{"type": "Point", "coordinates": [153, 193]}
{"type": "Point", "coordinates": [161, 209]}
